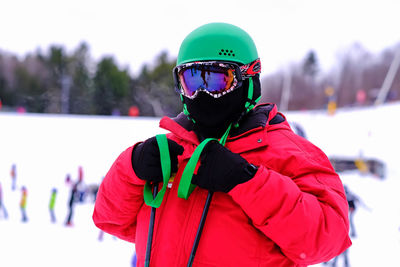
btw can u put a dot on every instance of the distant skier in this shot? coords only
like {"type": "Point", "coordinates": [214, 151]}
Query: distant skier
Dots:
{"type": "Point", "coordinates": [2, 207]}
{"type": "Point", "coordinates": [352, 200]}
{"type": "Point", "coordinates": [81, 189]}
{"type": "Point", "coordinates": [101, 235]}
{"type": "Point", "coordinates": [22, 203]}
{"type": "Point", "coordinates": [74, 197]}
{"type": "Point", "coordinates": [71, 203]}
{"type": "Point", "coordinates": [52, 204]}
{"type": "Point", "coordinates": [13, 177]}
{"type": "Point", "coordinates": [93, 189]}
{"type": "Point", "coordinates": [91, 192]}
{"type": "Point", "coordinates": [298, 129]}
{"type": "Point", "coordinates": [134, 259]}
{"type": "Point", "coordinates": [345, 259]}
{"type": "Point", "coordinates": [68, 180]}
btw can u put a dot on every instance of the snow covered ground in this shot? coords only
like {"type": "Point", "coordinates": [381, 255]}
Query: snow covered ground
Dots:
{"type": "Point", "coordinates": [45, 148]}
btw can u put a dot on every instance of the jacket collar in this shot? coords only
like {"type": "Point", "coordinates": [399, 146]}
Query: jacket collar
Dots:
{"type": "Point", "coordinates": [256, 120]}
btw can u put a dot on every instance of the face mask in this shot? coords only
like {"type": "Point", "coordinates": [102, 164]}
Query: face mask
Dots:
{"type": "Point", "coordinates": [212, 116]}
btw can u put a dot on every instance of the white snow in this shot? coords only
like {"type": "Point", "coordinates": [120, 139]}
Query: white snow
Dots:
{"type": "Point", "coordinates": [45, 148]}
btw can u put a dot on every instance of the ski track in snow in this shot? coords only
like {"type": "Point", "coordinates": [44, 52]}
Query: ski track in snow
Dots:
{"type": "Point", "coordinates": [47, 147]}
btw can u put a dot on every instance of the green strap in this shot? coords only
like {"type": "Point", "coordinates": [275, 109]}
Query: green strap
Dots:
{"type": "Point", "coordinates": [222, 141]}
{"type": "Point", "coordinates": [248, 105]}
{"type": "Point", "coordinates": [186, 111]}
{"type": "Point", "coordinates": [249, 93]}
{"type": "Point", "coordinates": [166, 172]}
{"type": "Point", "coordinates": [185, 185]}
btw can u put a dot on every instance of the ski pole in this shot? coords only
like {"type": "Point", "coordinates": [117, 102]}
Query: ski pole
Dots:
{"type": "Point", "coordinates": [186, 188]}
{"type": "Point", "coordinates": [155, 198]}
{"type": "Point", "coordinates": [151, 229]}
{"type": "Point", "coordinates": [200, 228]}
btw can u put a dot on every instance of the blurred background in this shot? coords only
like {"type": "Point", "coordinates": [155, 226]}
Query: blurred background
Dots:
{"type": "Point", "coordinates": [103, 58]}
{"type": "Point", "coordinates": [80, 81]}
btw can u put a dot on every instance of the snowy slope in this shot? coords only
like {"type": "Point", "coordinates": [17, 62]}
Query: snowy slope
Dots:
{"type": "Point", "coordinates": [47, 147]}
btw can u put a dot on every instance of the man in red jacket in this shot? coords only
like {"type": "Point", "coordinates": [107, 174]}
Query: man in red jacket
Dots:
{"type": "Point", "coordinates": [276, 199]}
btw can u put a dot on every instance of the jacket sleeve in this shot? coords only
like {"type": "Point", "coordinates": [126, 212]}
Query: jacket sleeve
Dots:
{"type": "Point", "coordinates": [119, 199]}
{"type": "Point", "coordinates": [297, 200]}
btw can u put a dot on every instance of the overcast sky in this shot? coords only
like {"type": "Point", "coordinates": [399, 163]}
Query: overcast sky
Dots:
{"type": "Point", "coordinates": [135, 32]}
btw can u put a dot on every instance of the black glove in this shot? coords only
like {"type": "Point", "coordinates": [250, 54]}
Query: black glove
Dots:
{"type": "Point", "coordinates": [146, 159]}
{"type": "Point", "coordinates": [221, 170]}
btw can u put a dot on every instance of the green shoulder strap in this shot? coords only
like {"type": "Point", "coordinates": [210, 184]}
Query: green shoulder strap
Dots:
{"type": "Point", "coordinates": [166, 172]}
{"type": "Point", "coordinates": [185, 186]}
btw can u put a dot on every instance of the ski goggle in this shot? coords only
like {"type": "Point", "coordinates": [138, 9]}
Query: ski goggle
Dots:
{"type": "Point", "coordinates": [215, 78]}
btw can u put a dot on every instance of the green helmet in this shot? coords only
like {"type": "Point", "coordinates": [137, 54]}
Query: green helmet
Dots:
{"type": "Point", "coordinates": [218, 41]}
{"type": "Point", "coordinates": [223, 42]}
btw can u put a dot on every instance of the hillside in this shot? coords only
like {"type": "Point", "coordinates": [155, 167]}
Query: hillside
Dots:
{"type": "Point", "coordinates": [45, 148]}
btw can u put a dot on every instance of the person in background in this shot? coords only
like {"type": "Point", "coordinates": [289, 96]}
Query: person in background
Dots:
{"type": "Point", "coordinates": [81, 187]}
{"type": "Point", "coordinates": [68, 180]}
{"type": "Point", "coordinates": [345, 257]}
{"type": "Point", "coordinates": [76, 195]}
{"type": "Point", "coordinates": [276, 199]}
{"type": "Point", "coordinates": [73, 198]}
{"type": "Point", "coordinates": [353, 200]}
{"type": "Point", "coordinates": [22, 203]}
{"type": "Point", "coordinates": [2, 207]}
{"type": "Point", "coordinates": [134, 259]}
{"type": "Point", "coordinates": [52, 205]}
{"type": "Point", "coordinates": [13, 174]}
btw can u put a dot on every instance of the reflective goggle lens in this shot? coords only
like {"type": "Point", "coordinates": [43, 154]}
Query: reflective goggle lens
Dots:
{"type": "Point", "coordinates": [216, 80]}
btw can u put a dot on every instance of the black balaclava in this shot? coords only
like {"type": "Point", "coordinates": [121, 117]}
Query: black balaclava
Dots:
{"type": "Point", "coordinates": [213, 116]}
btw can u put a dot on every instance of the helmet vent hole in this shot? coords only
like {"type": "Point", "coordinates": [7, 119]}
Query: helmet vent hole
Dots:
{"type": "Point", "coordinates": [226, 52]}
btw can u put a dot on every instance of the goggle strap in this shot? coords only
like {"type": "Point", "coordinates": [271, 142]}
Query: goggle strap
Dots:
{"type": "Point", "coordinates": [252, 103]}
{"type": "Point", "coordinates": [249, 105]}
{"type": "Point", "coordinates": [252, 68]}
{"type": "Point", "coordinates": [251, 89]}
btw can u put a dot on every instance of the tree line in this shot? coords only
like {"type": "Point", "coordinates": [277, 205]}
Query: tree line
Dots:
{"type": "Point", "coordinates": [56, 81]}
{"type": "Point", "coordinates": [355, 79]}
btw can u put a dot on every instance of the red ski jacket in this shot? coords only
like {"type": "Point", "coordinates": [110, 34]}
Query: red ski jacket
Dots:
{"type": "Point", "coordinates": [292, 213]}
